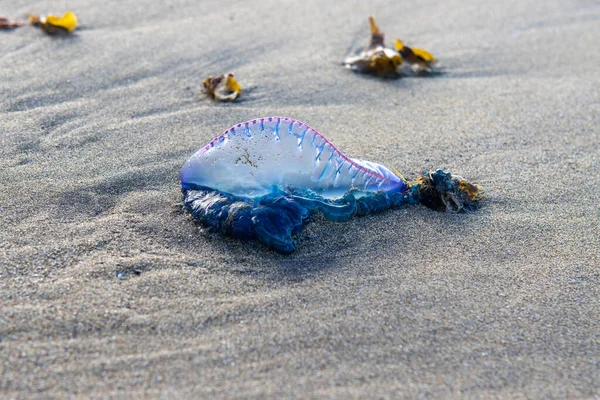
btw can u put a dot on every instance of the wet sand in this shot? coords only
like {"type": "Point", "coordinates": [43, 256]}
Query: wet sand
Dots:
{"type": "Point", "coordinates": [108, 290]}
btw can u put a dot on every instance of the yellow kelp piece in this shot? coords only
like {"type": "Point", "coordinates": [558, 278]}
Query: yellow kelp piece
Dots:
{"type": "Point", "coordinates": [232, 85]}
{"type": "Point", "coordinates": [377, 36]}
{"type": "Point", "coordinates": [67, 21]}
{"type": "Point", "coordinates": [373, 24]}
{"type": "Point", "coordinates": [414, 55]}
{"type": "Point", "coordinates": [421, 61]}
{"type": "Point", "coordinates": [424, 54]}
{"type": "Point", "coordinates": [52, 24]}
{"type": "Point", "coordinates": [222, 88]}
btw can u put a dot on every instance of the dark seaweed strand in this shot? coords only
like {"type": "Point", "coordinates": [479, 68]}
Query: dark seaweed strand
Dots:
{"type": "Point", "coordinates": [274, 219]}
{"type": "Point", "coordinates": [442, 191]}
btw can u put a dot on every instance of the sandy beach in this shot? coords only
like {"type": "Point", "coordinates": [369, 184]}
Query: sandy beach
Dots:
{"type": "Point", "coordinates": [109, 290]}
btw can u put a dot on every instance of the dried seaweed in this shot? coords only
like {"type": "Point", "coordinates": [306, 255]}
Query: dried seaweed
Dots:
{"type": "Point", "coordinates": [375, 59]}
{"type": "Point", "coordinates": [54, 25]}
{"type": "Point", "coordinates": [379, 60]}
{"type": "Point", "coordinates": [421, 61]}
{"type": "Point", "coordinates": [222, 88]}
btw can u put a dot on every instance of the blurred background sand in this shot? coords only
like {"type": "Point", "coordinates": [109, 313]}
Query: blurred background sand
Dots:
{"type": "Point", "coordinates": [94, 128]}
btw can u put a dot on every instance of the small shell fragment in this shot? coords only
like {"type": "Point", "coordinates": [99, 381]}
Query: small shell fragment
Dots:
{"type": "Point", "coordinates": [222, 88]}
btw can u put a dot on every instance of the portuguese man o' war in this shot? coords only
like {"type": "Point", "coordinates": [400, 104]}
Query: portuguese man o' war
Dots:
{"type": "Point", "coordinates": [264, 178]}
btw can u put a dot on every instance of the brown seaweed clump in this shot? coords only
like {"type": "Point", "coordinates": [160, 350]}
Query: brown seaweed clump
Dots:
{"type": "Point", "coordinates": [375, 59]}
{"type": "Point", "coordinates": [386, 62]}
{"type": "Point", "coordinates": [222, 88]}
{"type": "Point", "coordinates": [442, 191]}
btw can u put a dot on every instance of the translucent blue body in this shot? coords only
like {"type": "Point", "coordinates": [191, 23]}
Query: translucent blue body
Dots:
{"type": "Point", "coordinates": [253, 158]}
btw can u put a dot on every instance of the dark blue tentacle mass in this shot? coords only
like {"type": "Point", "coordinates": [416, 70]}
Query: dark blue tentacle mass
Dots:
{"type": "Point", "coordinates": [274, 218]}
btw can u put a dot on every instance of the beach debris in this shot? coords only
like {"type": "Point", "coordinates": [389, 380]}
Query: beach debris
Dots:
{"type": "Point", "coordinates": [222, 88]}
{"type": "Point", "coordinates": [264, 178]}
{"type": "Point", "coordinates": [389, 63]}
{"type": "Point", "coordinates": [421, 61]}
{"type": "Point", "coordinates": [128, 273]}
{"type": "Point", "coordinates": [7, 23]}
{"type": "Point", "coordinates": [376, 59]}
{"type": "Point", "coordinates": [54, 25]}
